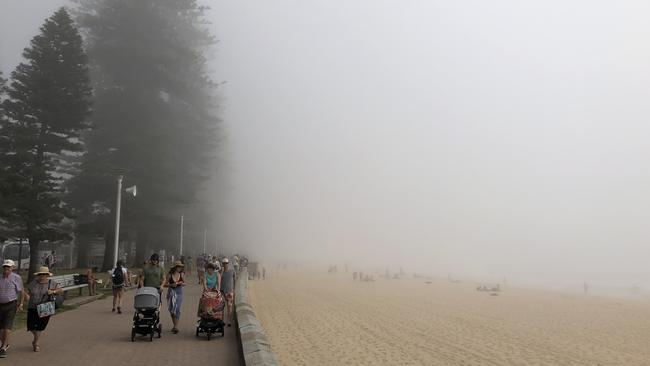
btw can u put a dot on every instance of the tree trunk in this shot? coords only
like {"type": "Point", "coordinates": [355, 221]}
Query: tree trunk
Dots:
{"type": "Point", "coordinates": [83, 250]}
{"type": "Point", "coordinates": [34, 259]}
{"type": "Point", "coordinates": [109, 243]}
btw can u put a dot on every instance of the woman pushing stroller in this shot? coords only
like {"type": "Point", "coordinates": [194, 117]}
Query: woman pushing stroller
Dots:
{"type": "Point", "coordinates": [211, 304]}
{"type": "Point", "coordinates": [212, 278]}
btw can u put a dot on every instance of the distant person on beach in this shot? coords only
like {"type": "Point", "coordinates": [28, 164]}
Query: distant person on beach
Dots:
{"type": "Point", "coordinates": [11, 301]}
{"type": "Point", "coordinates": [354, 276]}
{"type": "Point", "coordinates": [38, 293]}
{"type": "Point", "coordinates": [586, 288]}
{"type": "Point", "coordinates": [227, 289]}
{"type": "Point", "coordinates": [263, 273]}
{"type": "Point", "coordinates": [174, 283]}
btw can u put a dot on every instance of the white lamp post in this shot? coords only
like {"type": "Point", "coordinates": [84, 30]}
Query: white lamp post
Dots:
{"type": "Point", "coordinates": [132, 190]}
{"type": "Point", "coordinates": [205, 237]}
{"type": "Point", "coordinates": [181, 246]}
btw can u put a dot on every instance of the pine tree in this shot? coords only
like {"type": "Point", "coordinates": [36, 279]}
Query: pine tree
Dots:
{"type": "Point", "coordinates": [47, 108]}
{"type": "Point", "coordinates": [4, 188]}
{"type": "Point", "coordinates": [154, 111]}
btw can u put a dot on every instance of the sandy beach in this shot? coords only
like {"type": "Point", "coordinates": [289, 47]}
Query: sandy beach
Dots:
{"type": "Point", "coordinates": [329, 319]}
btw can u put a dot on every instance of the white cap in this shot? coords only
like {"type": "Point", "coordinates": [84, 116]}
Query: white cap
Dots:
{"type": "Point", "coordinates": [225, 260]}
{"type": "Point", "coordinates": [8, 263]}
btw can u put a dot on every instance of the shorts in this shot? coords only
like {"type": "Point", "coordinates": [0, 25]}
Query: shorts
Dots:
{"type": "Point", "coordinates": [8, 314]}
{"type": "Point", "coordinates": [36, 323]}
{"type": "Point", "coordinates": [118, 289]}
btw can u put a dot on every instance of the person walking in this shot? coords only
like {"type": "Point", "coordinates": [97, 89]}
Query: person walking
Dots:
{"type": "Point", "coordinates": [119, 279]}
{"type": "Point", "coordinates": [51, 261]}
{"type": "Point", "coordinates": [92, 281]}
{"type": "Point", "coordinates": [39, 292]}
{"type": "Point", "coordinates": [188, 265]}
{"type": "Point", "coordinates": [212, 278]}
{"type": "Point", "coordinates": [174, 283]}
{"type": "Point", "coordinates": [11, 300]}
{"type": "Point", "coordinates": [227, 288]}
{"type": "Point", "coordinates": [153, 274]}
{"type": "Point", "coordinates": [200, 267]}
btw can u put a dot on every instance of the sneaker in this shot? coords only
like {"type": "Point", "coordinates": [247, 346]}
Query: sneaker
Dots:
{"type": "Point", "coordinates": [112, 311]}
{"type": "Point", "coordinates": [3, 352]}
{"type": "Point", "coordinates": [119, 310]}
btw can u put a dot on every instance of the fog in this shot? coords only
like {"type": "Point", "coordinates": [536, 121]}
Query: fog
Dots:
{"type": "Point", "coordinates": [501, 138]}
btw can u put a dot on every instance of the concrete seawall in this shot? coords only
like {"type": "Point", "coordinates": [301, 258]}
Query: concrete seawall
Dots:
{"type": "Point", "coordinates": [255, 347]}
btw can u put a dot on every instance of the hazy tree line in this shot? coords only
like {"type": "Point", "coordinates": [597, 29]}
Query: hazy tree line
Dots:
{"type": "Point", "coordinates": [110, 87]}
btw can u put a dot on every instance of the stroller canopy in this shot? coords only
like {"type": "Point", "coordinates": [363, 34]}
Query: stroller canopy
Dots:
{"type": "Point", "coordinates": [146, 298]}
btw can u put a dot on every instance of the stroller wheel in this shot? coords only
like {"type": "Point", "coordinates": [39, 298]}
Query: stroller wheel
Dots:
{"type": "Point", "coordinates": [159, 330]}
{"type": "Point", "coordinates": [209, 335]}
{"type": "Point", "coordinates": [151, 337]}
{"type": "Point", "coordinates": [197, 331]}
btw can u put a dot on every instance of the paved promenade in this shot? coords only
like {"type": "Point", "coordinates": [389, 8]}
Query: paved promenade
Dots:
{"type": "Point", "coordinates": [92, 335]}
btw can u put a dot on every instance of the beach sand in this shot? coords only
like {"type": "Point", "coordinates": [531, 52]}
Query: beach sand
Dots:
{"type": "Point", "coordinates": [323, 319]}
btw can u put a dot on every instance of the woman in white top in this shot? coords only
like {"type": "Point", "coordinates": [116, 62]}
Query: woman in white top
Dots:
{"type": "Point", "coordinates": [119, 278]}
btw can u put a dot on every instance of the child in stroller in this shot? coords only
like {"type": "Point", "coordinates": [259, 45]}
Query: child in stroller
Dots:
{"type": "Point", "coordinates": [146, 320]}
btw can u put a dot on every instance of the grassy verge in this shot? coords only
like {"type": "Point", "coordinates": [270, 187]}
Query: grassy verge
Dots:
{"type": "Point", "coordinates": [21, 316]}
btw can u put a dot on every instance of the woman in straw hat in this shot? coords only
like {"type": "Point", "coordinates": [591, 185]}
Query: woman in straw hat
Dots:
{"type": "Point", "coordinates": [175, 282]}
{"type": "Point", "coordinates": [38, 292]}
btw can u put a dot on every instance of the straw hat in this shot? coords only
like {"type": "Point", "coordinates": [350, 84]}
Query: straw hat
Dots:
{"type": "Point", "coordinates": [43, 270]}
{"type": "Point", "coordinates": [178, 264]}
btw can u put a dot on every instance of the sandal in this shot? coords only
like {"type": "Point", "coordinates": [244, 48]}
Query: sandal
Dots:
{"type": "Point", "coordinates": [37, 348]}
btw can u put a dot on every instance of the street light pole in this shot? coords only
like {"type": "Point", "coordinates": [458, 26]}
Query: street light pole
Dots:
{"type": "Point", "coordinates": [205, 237]}
{"type": "Point", "coordinates": [117, 217]}
{"type": "Point", "coordinates": [181, 249]}
{"type": "Point", "coordinates": [20, 253]}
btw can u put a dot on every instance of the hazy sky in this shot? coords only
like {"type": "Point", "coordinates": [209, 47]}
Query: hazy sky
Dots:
{"type": "Point", "coordinates": [500, 138]}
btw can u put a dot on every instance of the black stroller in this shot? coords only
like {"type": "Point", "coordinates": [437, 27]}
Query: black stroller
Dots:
{"type": "Point", "coordinates": [146, 320]}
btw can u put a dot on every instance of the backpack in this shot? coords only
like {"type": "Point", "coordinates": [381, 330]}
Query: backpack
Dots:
{"type": "Point", "coordinates": [118, 276]}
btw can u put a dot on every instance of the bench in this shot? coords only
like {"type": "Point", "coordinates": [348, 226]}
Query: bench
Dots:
{"type": "Point", "coordinates": [67, 283]}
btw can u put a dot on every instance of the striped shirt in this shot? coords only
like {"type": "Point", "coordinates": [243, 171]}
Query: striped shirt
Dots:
{"type": "Point", "coordinates": [10, 286]}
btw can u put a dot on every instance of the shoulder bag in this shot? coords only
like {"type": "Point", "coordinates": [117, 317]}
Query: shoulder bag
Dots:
{"type": "Point", "coordinates": [46, 308]}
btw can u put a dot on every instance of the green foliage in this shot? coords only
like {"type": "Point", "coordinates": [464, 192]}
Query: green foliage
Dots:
{"type": "Point", "coordinates": [154, 110]}
{"type": "Point", "coordinates": [45, 112]}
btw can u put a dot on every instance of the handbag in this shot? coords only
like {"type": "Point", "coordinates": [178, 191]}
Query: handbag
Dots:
{"type": "Point", "coordinates": [47, 307]}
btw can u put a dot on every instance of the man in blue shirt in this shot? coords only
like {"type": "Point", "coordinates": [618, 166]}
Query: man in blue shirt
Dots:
{"type": "Point", "coordinates": [227, 288]}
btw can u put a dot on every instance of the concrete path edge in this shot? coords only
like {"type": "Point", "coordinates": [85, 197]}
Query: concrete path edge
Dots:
{"type": "Point", "coordinates": [255, 347]}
